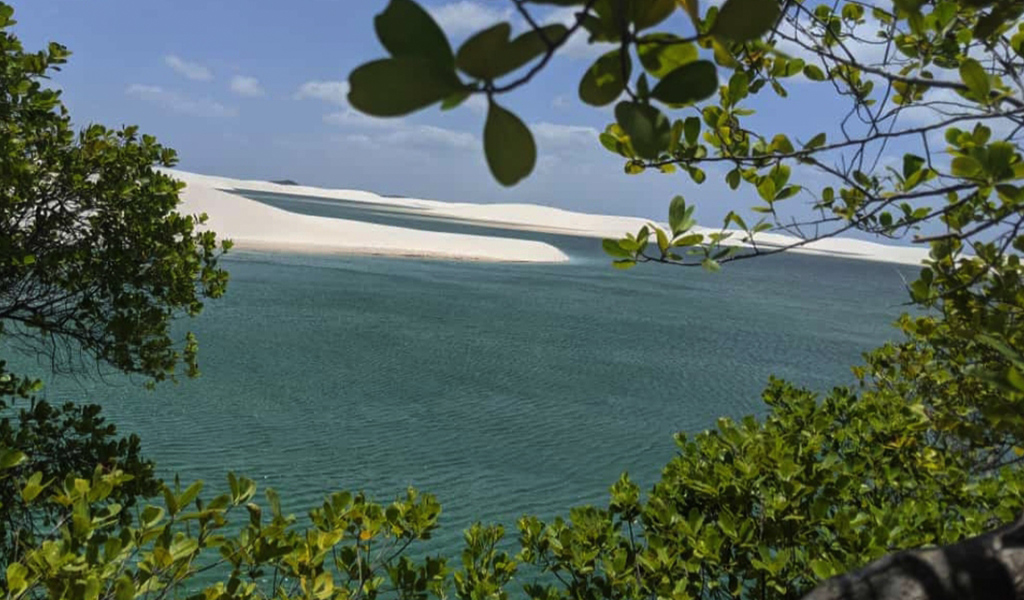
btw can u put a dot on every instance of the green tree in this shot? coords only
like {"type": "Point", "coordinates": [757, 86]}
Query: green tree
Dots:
{"type": "Point", "coordinates": [923, 451]}
{"type": "Point", "coordinates": [95, 263]}
{"type": "Point", "coordinates": [49, 443]}
{"type": "Point", "coordinates": [927, 147]}
{"type": "Point", "coordinates": [94, 258]}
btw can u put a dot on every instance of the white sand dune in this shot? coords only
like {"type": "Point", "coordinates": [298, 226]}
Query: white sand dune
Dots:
{"type": "Point", "coordinates": [255, 225]}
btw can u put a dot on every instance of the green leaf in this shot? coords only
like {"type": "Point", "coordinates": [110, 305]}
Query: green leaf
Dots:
{"type": "Point", "coordinates": [816, 142]}
{"type": "Point", "coordinates": [691, 127]}
{"type": "Point", "coordinates": [745, 20]}
{"type": "Point", "coordinates": [151, 515]}
{"type": "Point", "coordinates": [689, 83]}
{"type": "Point", "coordinates": [662, 240]}
{"type": "Point", "coordinates": [965, 166]}
{"type": "Point", "coordinates": [739, 87]}
{"type": "Point", "coordinates": [821, 569]}
{"type": "Point", "coordinates": [975, 78]}
{"type": "Point", "coordinates": [782, 144]}
{"type": "Point", "coordinates": [509, 146]}
{"type": "Point", "coordinates": [477, 57]}
{"type": "Point", "coordinates": [988, 24]}
{"type": "Point", "coordinates": [814, 73]}
{"type": "Point", "coordinates": [732, 217]}
{"type": "Point", "coordinates": [688, 240]}
{"type": "Point", "coordinates": [10, 458]}
{"type": "Point", "coordinates": [489, 54]}
{"type": "Point", "coordinates": [662, 53]}
{"type": "Point", "coordinates": [678, 214]}
{"type": "Point", "coordinates": [733, 178]}
{"type": "Point", "coordinates": [393, 87]}
{"type": "Point", "coordinates": [170, 501]}
{"type": "Point", "coordinates": [612, 248]}
{"type": "Point", "coordinates": [190, 493]}
{"type": "Point", "coordinates": [605, 80]}
{"type": "Point", "coordinates": [648, 129]}
{"type": "Point", "coordinates": [33, 487]}
{"type": "Point", "coordinates": [124, 588]}
{"type": "Point", "coordinates": [455, 100]}
{"type": "Point", "coordinates": [16, 578]}
{"type": "Point", "coordinates": [912, 164]}
{"type": "Point", "coordinates": [624, 264]}
{"type": "Point", "coordinates": [711, 265]}
{"type": "Point", "coordinates": [651, 12]}
{"type": "Point", "coordinates": [766, 189]}
{"type": "Point", "coordinates": [406, 30]}
{"type": "Point", "coordinates": [678, 129]}
{"type": "Point", "coordinates": [643, 88]}
{"type": "Point", "coordinates": [610, 142]}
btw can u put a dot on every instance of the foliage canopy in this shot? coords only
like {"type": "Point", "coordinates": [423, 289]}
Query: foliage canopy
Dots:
{"type": "Point", "coordinates": [924, 450]}
{"type": "Point", "coordinates": [93, 256]}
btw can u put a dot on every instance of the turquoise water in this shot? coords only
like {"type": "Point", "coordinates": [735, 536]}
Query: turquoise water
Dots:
{"type": "Point", "coordinates": [503, 389]}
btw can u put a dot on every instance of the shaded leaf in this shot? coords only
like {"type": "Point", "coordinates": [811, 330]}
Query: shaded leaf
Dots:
{"type": "Point", "coordinates": [648, 129]}
{"type": "Point", "coordinates": [651, 12]}
{"type": "Point", "coordinates": [745, 20]}
{"type": "Point", "coordinates": [689, 83]}
{"type": "Point", "coordinates": [398, 86]}
{"type": "Point", "coordinates": [406, 30]}
{"type": "Point", "coordinates": [489, 54]}
{"type": "Point", "coordinates": [509, 146]}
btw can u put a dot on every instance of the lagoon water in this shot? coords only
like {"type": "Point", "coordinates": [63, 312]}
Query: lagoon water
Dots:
{"type": "Point", "coordinates": [503, 389]}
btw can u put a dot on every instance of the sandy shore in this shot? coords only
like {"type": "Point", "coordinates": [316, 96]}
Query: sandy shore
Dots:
{"type": "Point", "coordinates": [255, 225]}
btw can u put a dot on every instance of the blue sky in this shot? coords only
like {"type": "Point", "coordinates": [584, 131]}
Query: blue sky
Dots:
{"type": "Point", "coordinates": [255, 89]}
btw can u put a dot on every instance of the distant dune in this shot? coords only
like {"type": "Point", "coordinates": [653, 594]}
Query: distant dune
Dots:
{"type": "Point", "coordinates": [255, 225]}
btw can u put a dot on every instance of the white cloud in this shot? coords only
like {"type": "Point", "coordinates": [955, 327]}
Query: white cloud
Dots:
{"type": "Point", "coordinates": [429, 136]}
{"type": "Point", "coordinates": [246, 86]}
{"type": "Point", "coordinates": [358, 138]}
{"type": "Point", "coordinates": [191, 70]}
{"type": "Point", "coordinates": [467, 16]}
{"type": "Point", "coordinates": [477, 103]}
{"type": "Point", "coordinates": [394, 132]}
{"type": "Point", "coordinates": [334, 92]}
{"type": "Point", "coordinates": [179, 103]}
{"type": "Point", "coordinates": [554, 135]}
{"type": "Point", "coordinates": [940, 104]}
{"type": "Point", "coordinates": [353, 118]}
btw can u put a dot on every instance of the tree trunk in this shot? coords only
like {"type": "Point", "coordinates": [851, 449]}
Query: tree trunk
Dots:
{"type": "Point", "coordinates": [987, 567]}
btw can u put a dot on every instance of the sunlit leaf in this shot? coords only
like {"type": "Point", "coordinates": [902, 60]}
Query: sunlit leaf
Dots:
{"type": "Point", "coordinates": [605, 80]}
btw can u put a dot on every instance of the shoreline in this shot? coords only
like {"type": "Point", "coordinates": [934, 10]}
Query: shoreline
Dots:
{"type": "Point", "coordinates": [254, 225]}
{"type": "Point", "coordinates": [257, 226]}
